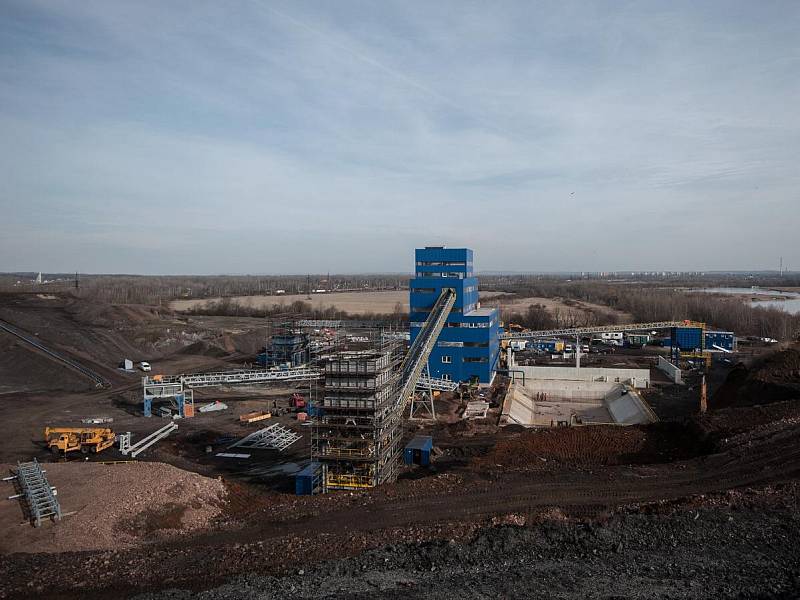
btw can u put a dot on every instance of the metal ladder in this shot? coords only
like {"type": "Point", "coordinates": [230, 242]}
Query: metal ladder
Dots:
{"type": "Point", "coordinates": [36, 489]}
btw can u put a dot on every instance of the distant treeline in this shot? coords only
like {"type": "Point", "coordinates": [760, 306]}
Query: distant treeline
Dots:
{"type": "Point", "coordinates": [143, 289]}
{"type": "Point", "coordinates": [656, 303]}
{"type": "Point", "coordinates": [647, 298]}
{"type": "Point", "coordinates": [146, 289]}
{"type": "Point", "coordinates": [537, 317]}
{"type": "Point", "coordinates": [229, 307]}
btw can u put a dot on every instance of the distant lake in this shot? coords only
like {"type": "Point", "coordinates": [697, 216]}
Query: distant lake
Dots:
{"type": "Point", "coordinates": [790, 305]}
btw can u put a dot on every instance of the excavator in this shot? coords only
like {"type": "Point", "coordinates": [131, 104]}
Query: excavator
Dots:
{"type": "Point", "coordinates": [62, 440]}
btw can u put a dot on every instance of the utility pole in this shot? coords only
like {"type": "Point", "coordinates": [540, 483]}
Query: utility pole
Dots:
{"type": "Point", "coordinates": [703, 396]}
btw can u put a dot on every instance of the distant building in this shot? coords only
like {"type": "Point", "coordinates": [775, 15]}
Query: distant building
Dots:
{"type": "Point", "coordinates": [468, 347]}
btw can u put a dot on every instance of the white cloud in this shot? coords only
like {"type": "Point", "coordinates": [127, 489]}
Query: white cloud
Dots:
{"type": "Point", "coordinates": [289, 136]}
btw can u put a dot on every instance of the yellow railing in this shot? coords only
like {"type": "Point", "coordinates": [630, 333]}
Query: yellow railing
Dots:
{"type": "Point", "coordinates": [349, 481]}
{"type": "Point", "coordinates": [364, 453]}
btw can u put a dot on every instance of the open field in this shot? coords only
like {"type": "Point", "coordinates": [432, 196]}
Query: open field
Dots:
{"type": "Point", "coordinates": [386, 302]}
{"type": "Point", "coordinates": [351, 302]}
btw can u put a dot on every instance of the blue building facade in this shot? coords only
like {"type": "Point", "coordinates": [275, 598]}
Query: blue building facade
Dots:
{"type": "Point", "coordinates": [468, 347]}
{"type": "Point", "coordinates": [723, 339]}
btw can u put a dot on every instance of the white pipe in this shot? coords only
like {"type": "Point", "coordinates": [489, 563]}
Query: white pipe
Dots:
{"type": "Point", "coordinates": [151, 439]}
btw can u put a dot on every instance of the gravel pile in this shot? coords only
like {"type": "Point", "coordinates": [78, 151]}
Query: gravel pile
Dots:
{"type": "Point", "coordinates": [116, 506]}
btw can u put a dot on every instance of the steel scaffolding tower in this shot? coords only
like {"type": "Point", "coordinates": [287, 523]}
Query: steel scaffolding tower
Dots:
{"type": "Point", "coordinates": [353, 440]}
{"type": "Point", "coordinates": [357, 433]}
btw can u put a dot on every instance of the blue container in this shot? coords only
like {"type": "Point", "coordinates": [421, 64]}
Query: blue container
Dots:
{"type": "Point", "coordinates": [315, 411]}
{"type": "Point", "coordinates": [544, 345]}
{"type": "Point", "coordinates": [418, 451]}
{"type": "Point", "coordinates": [687, 338]}
{"type": "Point", "coordinates": [307, 480]}
{"type": "Point", "coordinates": [723, 339]}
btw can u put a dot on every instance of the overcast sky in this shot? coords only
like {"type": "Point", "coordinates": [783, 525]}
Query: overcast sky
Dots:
{"type": "Point", "coordinates": [294, 137]}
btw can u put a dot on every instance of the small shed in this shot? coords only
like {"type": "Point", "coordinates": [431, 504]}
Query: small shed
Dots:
{"type": "Point", "coordinates": [418, 451]}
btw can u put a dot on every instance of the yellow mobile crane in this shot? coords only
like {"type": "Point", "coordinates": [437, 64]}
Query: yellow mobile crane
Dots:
{"type": "Point", "coordinates": [86, 439]}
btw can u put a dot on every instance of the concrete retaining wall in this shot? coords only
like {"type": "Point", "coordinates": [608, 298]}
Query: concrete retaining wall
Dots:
{"type": "Point", "coordinates": [572, 390]}
{"type": "Point", "coordinates": [639, 378]}
{"type": "Point", "coordinates": [671, 370]}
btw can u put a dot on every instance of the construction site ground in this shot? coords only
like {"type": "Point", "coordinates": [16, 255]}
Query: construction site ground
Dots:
{"type": "Point", "coordinates": [688, 507]}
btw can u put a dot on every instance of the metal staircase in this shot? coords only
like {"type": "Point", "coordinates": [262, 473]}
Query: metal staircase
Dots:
{"type": "Point", "coordinates": [37, 492]}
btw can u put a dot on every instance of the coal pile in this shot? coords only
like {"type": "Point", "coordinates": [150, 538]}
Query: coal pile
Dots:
{"type": "Point", "coordinates": [774, 378]}
{"type": "Point", "coordinates": [634, 556]}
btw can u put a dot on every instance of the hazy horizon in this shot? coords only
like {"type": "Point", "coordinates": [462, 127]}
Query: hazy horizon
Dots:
{"type": "Point", "coordinates": [66, 276]}
{"type": "Point", "coordinates": [309, 137]}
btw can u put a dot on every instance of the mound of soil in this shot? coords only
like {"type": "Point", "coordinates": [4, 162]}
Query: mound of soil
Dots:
{"type": "Point", "coordinates": [598, 445]}
{"type": "Point", "coordinates": [115, 506]}
{"type": "Point", "coordinates": [22, 368]}
{"type": "Point", "coordinates": [734, 420]}
{"type": "Point", "coordinates": [202, 348]}
{"type": "Point", "coordinates": [115, 316]}
{"type": "Point", "coordinates": [775, 378]}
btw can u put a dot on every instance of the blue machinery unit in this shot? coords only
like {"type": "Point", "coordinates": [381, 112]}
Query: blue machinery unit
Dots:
{"type": "Point", "coordinates": [468, 347]}
{"type": "Point", "coordinates": [309, 480]}
{"type": "Point", "coordinates": [286, 348]}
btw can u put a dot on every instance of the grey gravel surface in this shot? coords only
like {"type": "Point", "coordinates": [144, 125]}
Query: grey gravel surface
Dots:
{"type": "Point", "coordinates": [709, 553]}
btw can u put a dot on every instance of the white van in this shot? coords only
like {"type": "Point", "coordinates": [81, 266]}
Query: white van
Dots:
{"type": "Point", "coordinates": [145, 366]}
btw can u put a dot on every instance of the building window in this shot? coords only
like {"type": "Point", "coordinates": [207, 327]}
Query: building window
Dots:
{"type": "Point", "coordinates": [476, 359]}
{"type": "Point", "coordinates": [446, 377]}
{"type": "Point", "coordinates": [447, 359]}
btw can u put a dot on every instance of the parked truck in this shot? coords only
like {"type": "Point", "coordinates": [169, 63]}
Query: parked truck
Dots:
{"type": "Point", "coordinates": [61, 440]}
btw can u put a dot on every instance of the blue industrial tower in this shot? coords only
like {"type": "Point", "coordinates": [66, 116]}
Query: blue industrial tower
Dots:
{"type": "Point", "coordinates": [468, 346]}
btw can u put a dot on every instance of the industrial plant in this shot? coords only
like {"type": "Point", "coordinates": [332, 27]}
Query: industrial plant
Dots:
{"type": "Point", "coordinates": [251, 425]}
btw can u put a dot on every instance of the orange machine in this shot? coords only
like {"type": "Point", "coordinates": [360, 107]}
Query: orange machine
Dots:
{"type": "Point", "coordinates": [86, 439]}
